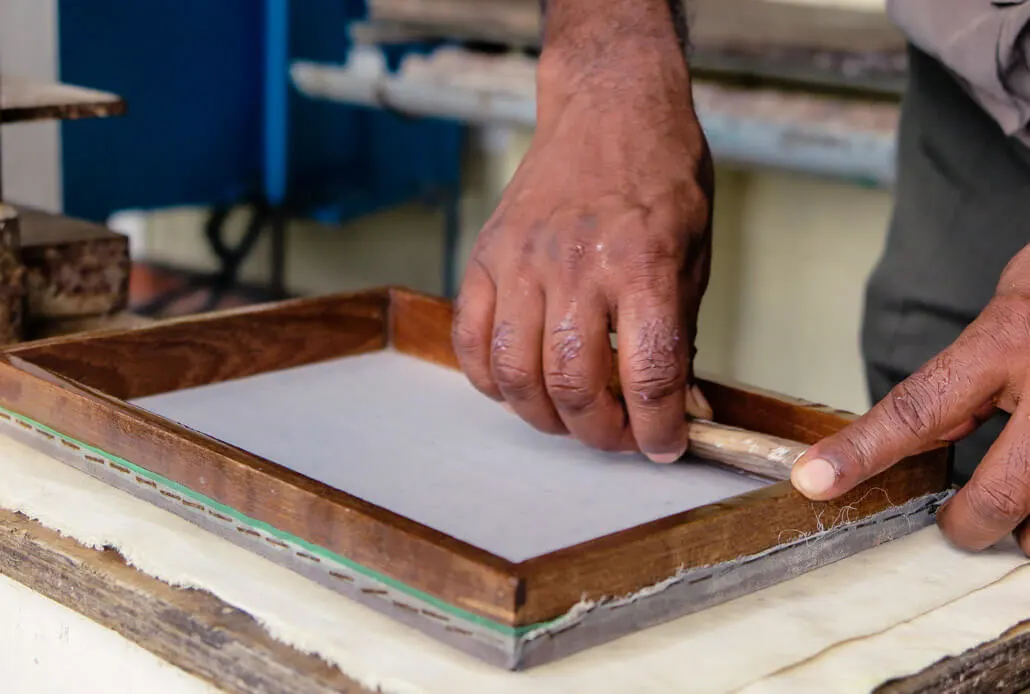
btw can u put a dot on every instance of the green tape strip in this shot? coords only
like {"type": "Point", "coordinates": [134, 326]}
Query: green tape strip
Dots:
{"type": "Point", "coordinates": [317, 550]}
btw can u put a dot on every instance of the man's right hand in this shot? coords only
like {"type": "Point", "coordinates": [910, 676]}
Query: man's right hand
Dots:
{"type": "Point", "coordinates": [605, 227]}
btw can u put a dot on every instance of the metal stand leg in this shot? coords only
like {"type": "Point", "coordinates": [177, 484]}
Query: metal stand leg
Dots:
{"type": "Point", "coordinates": [451, 237]}
{"type": "Point", "coordinates": [231, 259]}
{"type": "Point", "coordinates": [277, 271]}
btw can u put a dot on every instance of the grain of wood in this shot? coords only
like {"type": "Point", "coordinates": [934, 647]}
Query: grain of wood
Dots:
{"type": "Point", "coordinates": [12, 277]}
{"type": "Point", "coordinates": [1001, 666]}
{"type": "Point", "coordinates": [74, 268]}
{"type": "Point", "coordinates": [192, 630]}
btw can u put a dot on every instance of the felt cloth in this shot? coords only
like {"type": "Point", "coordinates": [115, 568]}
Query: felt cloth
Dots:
{"type": "Point", "coordinates": [887, 612]}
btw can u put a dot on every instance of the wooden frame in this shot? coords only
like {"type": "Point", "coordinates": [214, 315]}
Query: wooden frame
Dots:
{"type": "Point", "coordinates": [68, 395]}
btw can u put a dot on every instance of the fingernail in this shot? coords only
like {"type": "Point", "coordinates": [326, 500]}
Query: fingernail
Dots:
{"type": "Point", "coordinates": [508, 407]}
{"type": "Point", "coordinates": [666, 458]}
{"type": "Point", "coordinates": [814, 477]}
{"type": "Point", "coordinates": [697, 404]}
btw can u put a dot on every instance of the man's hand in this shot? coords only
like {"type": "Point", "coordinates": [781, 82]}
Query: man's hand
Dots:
{"type": "Point", "coordinates": [986, 369]}
{"type": "Point", "coordinates": [604, 227]}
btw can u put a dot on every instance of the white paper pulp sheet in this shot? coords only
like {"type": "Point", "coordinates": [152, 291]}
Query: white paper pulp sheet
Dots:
{"type": "Point", "coordinates": [419, 440]}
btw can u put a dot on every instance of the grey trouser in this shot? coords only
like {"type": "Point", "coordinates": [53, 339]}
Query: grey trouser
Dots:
{"type": "Point", "coordinates": [962, 210]}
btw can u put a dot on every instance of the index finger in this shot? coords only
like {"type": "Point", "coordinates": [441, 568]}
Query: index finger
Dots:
{"type": "Point", "coordinates": [922, 410]}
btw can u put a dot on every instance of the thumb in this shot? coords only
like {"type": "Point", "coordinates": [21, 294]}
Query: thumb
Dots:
{"type": "Point", "coordinates": [920, 412]}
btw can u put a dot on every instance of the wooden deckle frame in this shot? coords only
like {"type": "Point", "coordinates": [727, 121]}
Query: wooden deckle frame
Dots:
{"type": "Point", "coordinates": [68, 396]}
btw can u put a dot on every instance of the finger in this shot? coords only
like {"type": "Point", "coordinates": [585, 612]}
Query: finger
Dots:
{"type": "Point", "coordinates": [697, 404]}
{"type": "Point", "coordinates": [976, 419]}
{"type": "Point", "coordinates": [997, 497]}
{"type": "Point", "coordinates": [919, 411]}
{"type": "Point", "coordinates": [577, 368]}
{"type": "Point", "coordinates": [653, 355]}
{"type": "Point", "coordinates": [472, 327]}
{"type": "Point", "coordinates": [516, 360]}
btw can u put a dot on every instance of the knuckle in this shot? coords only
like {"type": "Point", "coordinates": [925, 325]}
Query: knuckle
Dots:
{"type": "Point", "coordinates": [571, 392]}
{"type": "Point", "coordinates": [655, 370]}
{"type": "Point", "coordinates": [467, 340]}
{"type": "Point", "coordinates": [571, 254]}
{"type": "Point", "coordinates": [517, 382]}
{"type": "Point", "coordinates": [997, 502]}
{"type": "Point", "coordinates": [653, 283]}
{"type": "Point", "coordinates": [914, 405]}
{"type": "Point", "coordinates": [654, 381]}
{"type": "Point", "coordinates": [1010, 320]}
{"type": "Point", "coordinates": [659, 252]}
{"type": "Point", "coordinates": [663, 247]}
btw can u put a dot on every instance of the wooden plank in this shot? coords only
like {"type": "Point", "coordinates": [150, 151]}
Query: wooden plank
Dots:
{"type": "Point", "coordinates": [74, 268]}
{"type": "Point", "coordinates": [196, 350]}
{"type": "Point", "coordinates": [1001, 666]}
{"type": "Point", "coordinates": [23, 99]}
{"type": "Point", "coordinates": [192, 630]}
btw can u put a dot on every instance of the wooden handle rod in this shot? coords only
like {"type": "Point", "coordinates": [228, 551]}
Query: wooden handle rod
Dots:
{"type": "Point", "coordinates": [750, 451]}
{"type": "Point", "coordinates": [759, 454]}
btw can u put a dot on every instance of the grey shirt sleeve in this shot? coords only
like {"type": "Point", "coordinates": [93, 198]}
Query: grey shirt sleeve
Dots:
{"type": "Point", "coordinates": [985, 44]}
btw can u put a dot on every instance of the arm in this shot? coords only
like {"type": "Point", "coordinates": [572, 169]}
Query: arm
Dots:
{"type": "Point", "coordinates": [604, 227]}
{"type": "Point", "coordinates": [677, 16]}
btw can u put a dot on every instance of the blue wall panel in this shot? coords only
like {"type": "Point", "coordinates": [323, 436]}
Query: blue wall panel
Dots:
{"type": "Point", "coordinates": [194, 75]}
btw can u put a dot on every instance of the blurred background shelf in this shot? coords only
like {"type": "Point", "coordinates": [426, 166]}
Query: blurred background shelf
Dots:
{"type": "Point", "coordinates": [23, 100]}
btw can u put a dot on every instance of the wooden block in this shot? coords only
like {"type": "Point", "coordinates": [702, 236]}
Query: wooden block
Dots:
{"type": "Point", "coordinates": [12, 277]}
{"type": "Point", "coordinates": [193, 630]}
{"type": "Point", "coordinates": [441, 556]}
{"type": "Point", "coordinates": [74, 268]}
{"type": "Point", "coordinates": [23, 99]}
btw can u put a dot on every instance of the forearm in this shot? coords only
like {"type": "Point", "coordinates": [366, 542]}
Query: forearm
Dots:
{"type": "Point", "coordinates": [609, 21]}
{"type": "Point", "coordinates": [621, 52]}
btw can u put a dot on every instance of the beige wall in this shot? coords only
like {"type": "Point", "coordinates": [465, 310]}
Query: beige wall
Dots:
{"type": "Point", "coordinates": [31, 152]}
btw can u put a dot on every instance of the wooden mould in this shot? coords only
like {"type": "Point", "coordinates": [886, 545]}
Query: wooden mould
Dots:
{"type": "Point", "coordinates": [71, 397]}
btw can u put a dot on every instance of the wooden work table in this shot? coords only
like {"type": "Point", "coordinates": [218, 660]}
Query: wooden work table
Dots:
{"type": "Point", "coordinates": [75, 615]}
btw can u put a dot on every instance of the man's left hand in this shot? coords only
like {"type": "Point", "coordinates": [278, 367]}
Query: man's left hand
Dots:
{"type": "Point", "coordinates": [986, 369]}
